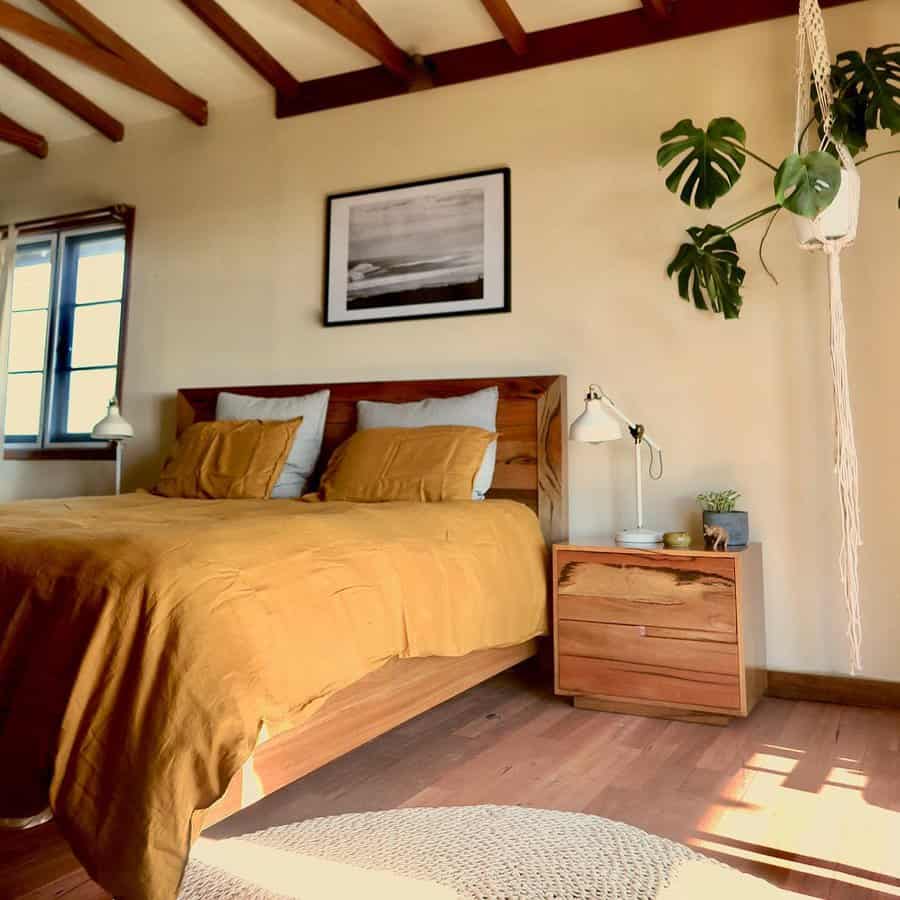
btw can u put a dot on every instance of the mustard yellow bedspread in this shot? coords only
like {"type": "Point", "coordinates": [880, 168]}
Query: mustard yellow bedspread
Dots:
{"type": "Point", "coordinates": [143, 642]}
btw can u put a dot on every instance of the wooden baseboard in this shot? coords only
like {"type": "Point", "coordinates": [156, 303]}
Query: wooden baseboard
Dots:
{"type": "Point", "coordinates": [834, 689]}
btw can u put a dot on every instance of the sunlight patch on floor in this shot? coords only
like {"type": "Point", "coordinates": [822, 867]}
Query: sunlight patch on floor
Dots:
{"type": "Point", "coordinates": [252, 788]}
{"type": "Point", "coordinates": [726, 848]}
{"type": "Point", "coordinates": [694, 879]}
{"type": "Point", "coordinates": [297, 875]}
{"type": "Point", "coordinates": [774, 762]}
{"type": "Point", "coordinates": [781, 750]}
{"type": "Point", "coordinates": [841, 777]}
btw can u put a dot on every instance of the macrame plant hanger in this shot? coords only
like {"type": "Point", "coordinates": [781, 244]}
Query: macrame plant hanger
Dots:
{"type": "Point", "coordinates": [830, 233]}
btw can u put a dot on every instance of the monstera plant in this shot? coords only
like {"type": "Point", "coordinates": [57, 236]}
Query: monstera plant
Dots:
{"type": "Point", "coordinates": [709, 163]}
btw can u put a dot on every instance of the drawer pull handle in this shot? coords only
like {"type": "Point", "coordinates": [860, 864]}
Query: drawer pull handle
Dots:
{"type": "Point", "coordinates": [643, 631]}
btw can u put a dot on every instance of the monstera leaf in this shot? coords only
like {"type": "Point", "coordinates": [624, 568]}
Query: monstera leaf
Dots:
{"type": "Point", "coordinates": [849, 121]}
{"type": "Point", "coordinates": [807, 184]}
{"type": "Point", "coordinates": [849, 127]}
{"type": "Point", "coordinates": [708, 271]}
{"type": "Point", "coordinates": [712, 162]}
{"type": "Point", "coordinates": [870, 85]}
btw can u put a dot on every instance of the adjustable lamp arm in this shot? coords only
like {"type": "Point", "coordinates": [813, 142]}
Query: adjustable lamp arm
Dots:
{"type": "Point", "coordinates": [595, 392]}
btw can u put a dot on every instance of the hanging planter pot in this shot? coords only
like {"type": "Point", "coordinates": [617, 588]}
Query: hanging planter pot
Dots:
{"type": "Point", "coordinates": [836, 223]}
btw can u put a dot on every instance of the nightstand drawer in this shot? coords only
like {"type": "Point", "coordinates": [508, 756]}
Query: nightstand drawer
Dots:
{"type": "Point", "coordinates": [637, 644]}
{"type": "Point", "coordinates": [657, 683]}
{"type": "Point", "coordinates": [667, 591]}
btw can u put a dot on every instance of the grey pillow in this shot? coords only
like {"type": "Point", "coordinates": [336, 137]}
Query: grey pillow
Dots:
{"type": "Point", "coordinates": [308, 442]}
{"type": "Point", "coordinates": [477, 410]}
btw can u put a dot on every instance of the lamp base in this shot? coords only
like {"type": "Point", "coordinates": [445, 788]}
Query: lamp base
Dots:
{"type": "Point", "coordinates": [641, 536]}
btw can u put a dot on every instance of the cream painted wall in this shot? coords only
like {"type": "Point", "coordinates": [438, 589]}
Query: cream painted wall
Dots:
{"type": "Point", "coordinates": [228, 271]}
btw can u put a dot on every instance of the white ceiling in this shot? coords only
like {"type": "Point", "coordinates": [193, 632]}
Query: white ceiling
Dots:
{"type": "Point", "coordinates": [176, 40]}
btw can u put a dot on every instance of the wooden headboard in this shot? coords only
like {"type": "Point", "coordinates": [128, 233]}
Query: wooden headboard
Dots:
{"type": "Point", "coordinates": [531, 420]}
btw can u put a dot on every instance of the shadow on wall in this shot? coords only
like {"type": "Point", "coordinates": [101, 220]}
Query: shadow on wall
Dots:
{"type": "Point", "coordinates": [143, 468]}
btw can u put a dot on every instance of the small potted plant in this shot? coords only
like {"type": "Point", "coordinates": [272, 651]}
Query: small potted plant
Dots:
{"type": "Point", "coordinates": [719, 510]}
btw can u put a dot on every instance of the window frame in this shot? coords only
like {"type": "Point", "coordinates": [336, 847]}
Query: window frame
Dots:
{"type": "Point", "coordinates": [94, 222]}
{"type": "Point", "coordinates": [20, 443]}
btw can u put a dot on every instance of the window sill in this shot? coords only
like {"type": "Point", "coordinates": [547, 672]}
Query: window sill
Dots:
{"type": "Point", "coordinates": [101, 452]}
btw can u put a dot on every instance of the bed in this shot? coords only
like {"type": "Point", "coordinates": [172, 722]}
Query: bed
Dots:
{"type": "Point", "coordinates": [531, 470]}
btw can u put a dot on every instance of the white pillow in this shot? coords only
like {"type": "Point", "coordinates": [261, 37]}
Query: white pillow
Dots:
{"type": "Point", "coordinates": [302, 459]}
{"type": "Point", "coordinates": [478, 410]}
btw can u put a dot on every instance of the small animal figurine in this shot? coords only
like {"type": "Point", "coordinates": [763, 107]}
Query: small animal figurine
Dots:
{"type": "Point", "coordinates": [715, 535]}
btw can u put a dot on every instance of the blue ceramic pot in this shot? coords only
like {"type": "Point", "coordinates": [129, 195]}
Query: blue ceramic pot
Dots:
{"type": "Point", "coordinates": [736, 523]}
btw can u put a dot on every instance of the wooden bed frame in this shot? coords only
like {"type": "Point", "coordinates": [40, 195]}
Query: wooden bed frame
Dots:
{"type": "Point", "coordinates": [531, 468]}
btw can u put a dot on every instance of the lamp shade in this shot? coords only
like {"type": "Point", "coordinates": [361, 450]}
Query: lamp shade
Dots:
{"type": "Point", "coordinates": [112, 427]}
{"type": "Point", "coordinates": [596, 425]}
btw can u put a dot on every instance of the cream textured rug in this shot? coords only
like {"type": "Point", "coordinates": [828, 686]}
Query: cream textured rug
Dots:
{"type": "Point", "coordinates": [483, 852]}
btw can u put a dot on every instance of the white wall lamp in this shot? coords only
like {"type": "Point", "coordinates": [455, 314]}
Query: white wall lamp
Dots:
{"type": "Point", "coordinates": [602, 421]}
{"type": "Point", "coordinates": [113, 427]}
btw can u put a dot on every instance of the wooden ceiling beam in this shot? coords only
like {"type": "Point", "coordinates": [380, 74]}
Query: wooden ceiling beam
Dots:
{"type": "Point", "coordinates": [147, 79]}
{"type": "Point", "coordinates": [577, 40]}
{"type": "Point", "coordinates": [244, 44]}
{"type": "Point", "coordinates": [349, 19]}
{"type": "Point", "coordinates": [100, 33]}
{"type": "Point", "coordinates": [510, 27]}
{"type": "Point", "coordinates": [84, 21]}
{"type": "Point", "coordinates": [355, 8]}
{"type": "Point", "coordinates": [47, 83]}
{"type": "Point", "coordinates": [658, 10]}
{"type": "Point", "coordinates": [11, 132]}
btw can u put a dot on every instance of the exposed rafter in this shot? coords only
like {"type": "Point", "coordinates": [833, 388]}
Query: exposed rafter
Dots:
{"type": "Point", "coordinates": [11, 132]}
{"type": "Point", "coordinates": [349, 19]}
{"type": "Point", "coordinates": [142, 76]}
{"type": "Point", "coordinates": [510, 27]}
{"type": "Point", "coordinates": [244, 44]}
{"type": "Point", "coordinates": [100, 33]}
{"type": "Point", "coordinates": [46, 82]}
{"type": "Point", "coordinates": [355, 8]}
{"type": "Point", "coordinates": [592, 37]}
{"type": "Point", "coordinates": [658, 10]}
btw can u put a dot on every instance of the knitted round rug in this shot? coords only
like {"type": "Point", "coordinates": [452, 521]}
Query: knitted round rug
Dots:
{"type": "Point", "coordinates": [483, 852]}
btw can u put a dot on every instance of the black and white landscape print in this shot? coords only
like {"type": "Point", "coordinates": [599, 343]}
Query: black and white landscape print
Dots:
{"type": "Point", "coordinates": [437, 248]}
{"type": "Point", "coordinates": [425, 249]}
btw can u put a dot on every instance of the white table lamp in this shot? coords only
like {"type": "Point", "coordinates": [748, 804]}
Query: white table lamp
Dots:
{"type": "Point", "coordinates": [602, 421]}
{"type": "Point", "coordinates": [112, 427]}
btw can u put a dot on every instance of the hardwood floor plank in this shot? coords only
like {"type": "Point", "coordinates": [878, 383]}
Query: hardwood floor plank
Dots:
{"type": "Point", "coordinates": [805, 795]}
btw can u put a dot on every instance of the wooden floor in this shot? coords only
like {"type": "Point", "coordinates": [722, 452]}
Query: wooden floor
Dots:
{"type": "Point", "coordinates": [806, 795]}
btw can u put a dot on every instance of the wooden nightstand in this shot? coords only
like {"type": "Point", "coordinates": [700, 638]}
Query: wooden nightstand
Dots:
{"type": "Point", "coordinates": [678, 634]}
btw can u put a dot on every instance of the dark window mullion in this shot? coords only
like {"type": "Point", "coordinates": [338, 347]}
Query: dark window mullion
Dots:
{"type": "Point", "coordinates": [97, 303]}
{"type": "Point", "coordinates": [102, 368]}
{"type": "Point", "coordinates": [49, 343]}
{"type": "Point", "coordinates": [62, 360]}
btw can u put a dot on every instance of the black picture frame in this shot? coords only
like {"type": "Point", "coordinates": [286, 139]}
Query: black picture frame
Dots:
{"type": "Point", "coordinates": [339, 273]}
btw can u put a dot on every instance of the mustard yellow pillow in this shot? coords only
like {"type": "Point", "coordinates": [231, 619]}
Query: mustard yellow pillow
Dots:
{"type": "Point", "coordinates": [228, 460]}
{"type": "Point", "coordinates": [438, 462]}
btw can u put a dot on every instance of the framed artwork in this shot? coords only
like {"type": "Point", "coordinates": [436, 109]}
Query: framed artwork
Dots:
{"type": "Point", "coordinates": [413, 251]}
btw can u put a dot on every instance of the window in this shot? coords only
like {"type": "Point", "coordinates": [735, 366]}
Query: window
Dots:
{"type": "Point", "coordinates": [69, 295]}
